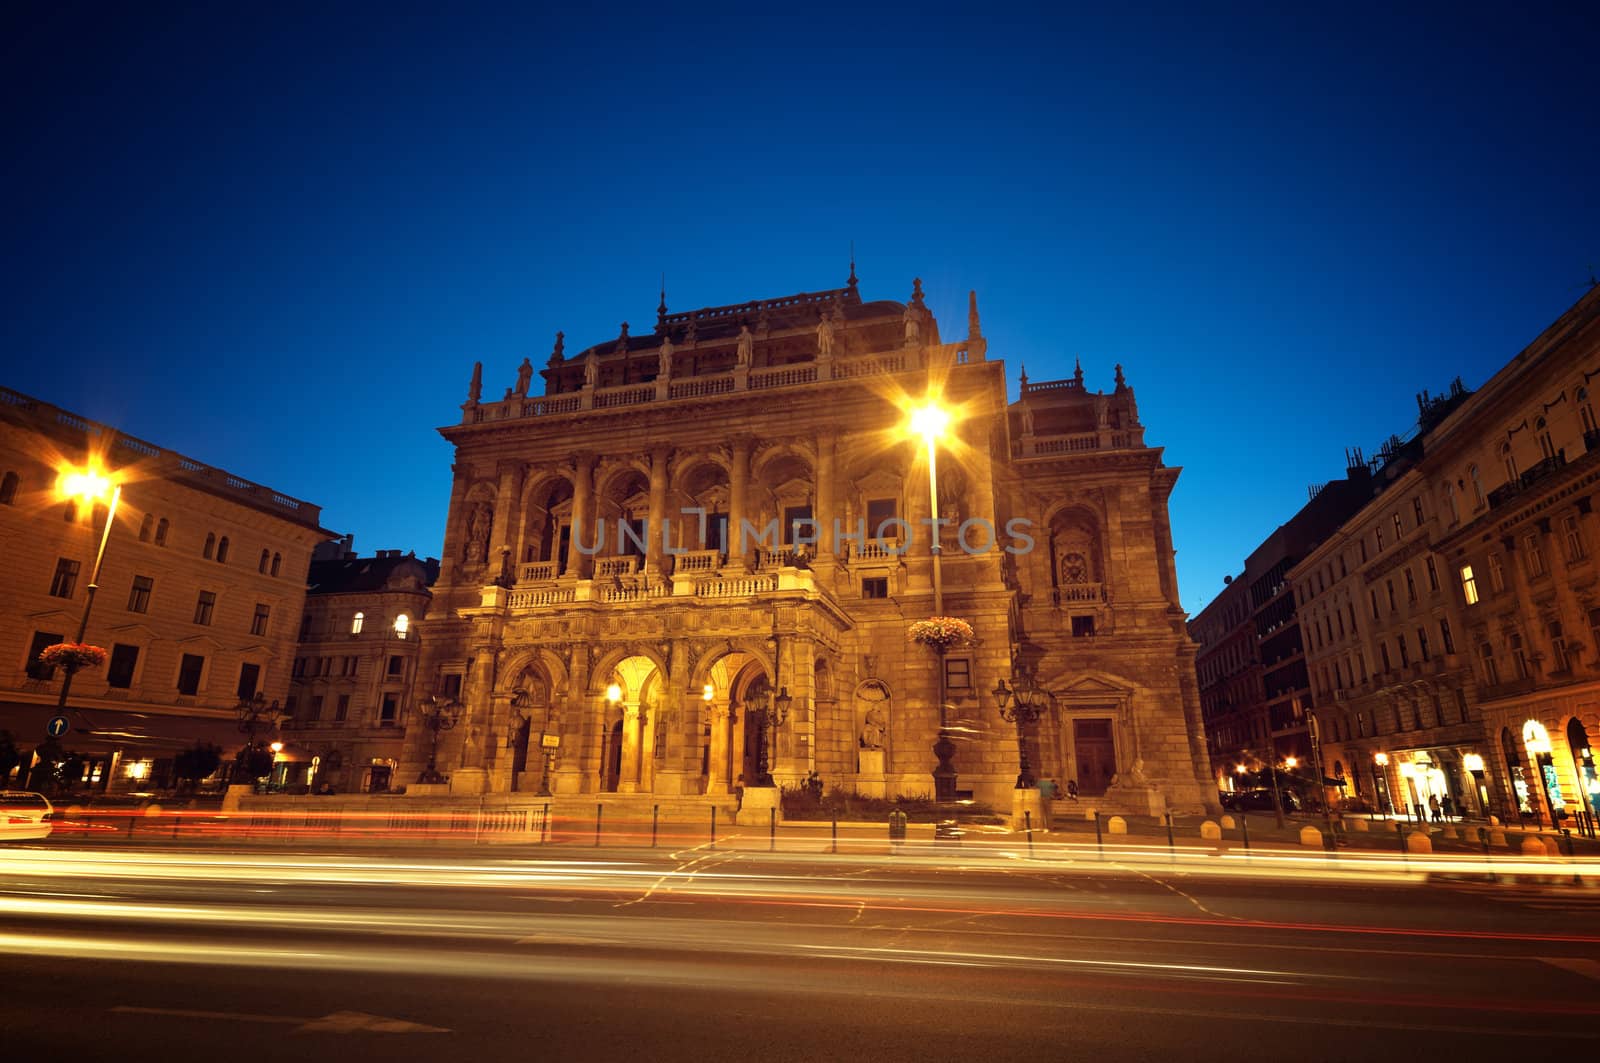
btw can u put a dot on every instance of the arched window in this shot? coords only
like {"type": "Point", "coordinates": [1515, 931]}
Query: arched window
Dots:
{"type": "Point", "coordinates": [8, 489]}
{"type": "Point", "coordinates": [277, 559]}
{"type": "Point", "coordinates": [1586, 412]}
{"type": "Point", "coordinates": [161, 532]}
{"type": "Point", "coordinates": [146, 526]}
{"type": "Point", "coordinates": [1546, 444]}
{"type": "Point", "coordinates": [1450, 500]}
{"type": "Point", "coordinates": [402, 624]}
{"type": "Point", "coordinates": [266, 559]}
{"type": "Point", "coordinates": [356, 622]}
{"type": "Point", "coordinates": [1509, 460]}
{"type": "Point", "coordinates": [211, 546]}
{"type": "Point", "coordinates": [222, 549]}
{"type": "Point", "coordinates": [1477, 486]}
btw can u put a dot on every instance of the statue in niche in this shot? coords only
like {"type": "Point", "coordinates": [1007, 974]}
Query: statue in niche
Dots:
{"type": "Point", "coordinates": [1102, 412]}
{"type": "Point", "coordinates": [475, 389]}
{"type": "Point", "coordinates": [1027, 419]}
{"type": "Point", "coordinates": [591, 370]}
{"type": "Point", "coordinates": [691, 334]}
{"type": "Point", "coordinates": [747, 347]}
{"type": "Point", "coordinates": [664, 371]}
{"type": "Point", "coordinates": [479, 522]}
{"type": "Point", "coordinates": [913, 321]}
{"type": "Point", "coordinates": [524, 378]}
{"type": "Point", "coordinates": [875, 720]}
{"type": "Point", "coordinates": [952, 485]}
{"type": "Point", "coordinates": [825, 337]}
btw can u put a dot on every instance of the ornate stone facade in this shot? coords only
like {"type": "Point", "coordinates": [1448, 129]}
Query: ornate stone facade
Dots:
{"type": "Point", "coordinates": [734, 504]}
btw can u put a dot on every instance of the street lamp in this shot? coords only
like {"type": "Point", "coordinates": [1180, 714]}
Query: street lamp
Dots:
{"type": "Point", "coordinates": [1022, 706]}
{"type": "Point", "coordinates": [253, 714]}
{"type": "Point", "coordinates": [929, 421]}
{"type": "Point", "coordinates": [436, 714]}
{"type": "Point", "coordinates": [87, 486]}
{"type": "Point", "coordinates": [775, 710]}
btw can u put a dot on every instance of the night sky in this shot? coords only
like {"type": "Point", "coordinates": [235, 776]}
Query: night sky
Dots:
{"type": "Point", "coordinates": [277, 241]}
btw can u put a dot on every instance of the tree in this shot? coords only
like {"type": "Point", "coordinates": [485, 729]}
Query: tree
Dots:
{"type": "Point", "coordinates": [192, 765]}
{"type": "Point", "coordinates": [253, 762]}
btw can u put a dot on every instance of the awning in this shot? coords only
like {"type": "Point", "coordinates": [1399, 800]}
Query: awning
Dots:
{"type": "Point", "coordinates": [108, 730]}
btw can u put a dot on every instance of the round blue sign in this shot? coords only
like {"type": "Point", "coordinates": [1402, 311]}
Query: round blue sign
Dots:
{"type": "Point", "coordinates": [56, 727]}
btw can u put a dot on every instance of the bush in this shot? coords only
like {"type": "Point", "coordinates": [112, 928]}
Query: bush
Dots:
{"type": "Point", "coordinates": [809, 802]}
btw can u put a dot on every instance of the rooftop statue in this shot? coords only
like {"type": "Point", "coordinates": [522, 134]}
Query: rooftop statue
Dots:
{"type": "Point", "coordinates": [665, 370]}
{"type": "Point", "coordinates": [475, 389]}
{"type": "Point", "coordinates": [524, 377]}
{"type": "Point", "coordinates": [747, 346]}
{"type": "Point", "coordinates": [591, 369]}
{"type": "Point", "coordinates": [825, 337]}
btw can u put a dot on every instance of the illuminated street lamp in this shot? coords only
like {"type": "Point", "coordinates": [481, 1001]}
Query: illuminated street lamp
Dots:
{"type": "Point", "coordinates": [929, 421]}
{"type": "Point", "coordinates": [87, 486]}
{"type": "Point", "coordinates": [436, 714]}
{"type": "Point", "coordinates": [1023, 706]}
{"type": "Point", "coordinates": [254, 714]}
{"type": "Point", "coordinates": [775, 710]}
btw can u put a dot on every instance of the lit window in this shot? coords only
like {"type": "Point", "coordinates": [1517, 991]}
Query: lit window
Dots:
{"type": "Point", "coordinates": [402, 624]}
{"type": "Point", "coordinates": [355, 624]}
{"type": "Point", "coordinates": [1469, 585]}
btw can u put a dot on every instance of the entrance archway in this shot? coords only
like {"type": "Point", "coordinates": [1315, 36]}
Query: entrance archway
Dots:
{"type": "Point", "coordinates": [1583, 764]}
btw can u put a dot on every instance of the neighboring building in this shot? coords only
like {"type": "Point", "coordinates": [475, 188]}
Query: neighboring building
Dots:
{"type": "Point", "coordinates": [1468, 673]}
{"type": "Point", "coordinates": [202, 586]}
{"type": "Point", "coordinates": [718, 444]}
{"type": "Point", "coordinates": [1254, 683]}
{"type": "Point", "coordinates": [355, 668]}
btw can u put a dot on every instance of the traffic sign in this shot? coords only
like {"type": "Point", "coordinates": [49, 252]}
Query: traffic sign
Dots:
{"type": "Point", "coordinates": [57, 726]}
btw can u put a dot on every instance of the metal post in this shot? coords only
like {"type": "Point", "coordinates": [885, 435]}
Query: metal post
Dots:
{"type": "Point", "coordinates": [1172, 843]}
{"type": "Point", "coordinates": [1400, 834]}
{"type": "Point", "coordinates": [1027, 826]}
{"type": "Point", "coordinates": [772, 830]}
{"type": "Point", "coordinates": [599, 810]}
{"type": "Point", "coordinates": [1483, 837]}
{"type": "Point", "coordinates": [655, 819]}
{"type": "Point", "coordinates": [1566, 836]}
{"type": "Point", "coordinates": [1099, 840]}
{"type": "Point", "coordinates": [836, 835]}
{"type": "Point", "coordinates": [713, 826]}
{"type": "Point", "coordinates": [544, 829]}
{"type": "Point", "coordinates": [1244, 828]}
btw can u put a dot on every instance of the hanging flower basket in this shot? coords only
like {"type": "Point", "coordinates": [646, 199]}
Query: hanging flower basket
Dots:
{"type": "Point", "coordinates": [72, 656]}
{"type": "Point", "coordinates": [942, 632]}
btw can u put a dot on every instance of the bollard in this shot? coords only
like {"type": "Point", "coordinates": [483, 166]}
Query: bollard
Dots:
{"type": "Point", "coordinates": [1027, 826]}
{"type": "Point", "coordinates": [655, 822]}
{"type": "Point", "coordinates": [598, 810]}
{"type": "Point", "coordinates": [1566, 836]}
{"type": "Point", "coordinates": [1400, 836]}
{"type": "Point", "coordinates": [544, 828]}
{"type": "Point", "coordinates": [772, 830]}
{"type": "Point", "coordinates": [1172, 843]}
{"type": "Point", "coordinates": [1099, 841]}
{"type": "Point", "coordinates": [835, 835]}
{"type": "Point", "coordinates": [713, 826]}
{"type": "Point", "coordinates": [1483, 837]}
{"type": "Point", "coordinates": [1244, 829]}
{"type": "Point", "coordinates": [897, 830]}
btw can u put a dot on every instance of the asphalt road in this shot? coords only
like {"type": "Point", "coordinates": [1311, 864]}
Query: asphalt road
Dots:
{"type": "Point", "coordinates": [194, 952]}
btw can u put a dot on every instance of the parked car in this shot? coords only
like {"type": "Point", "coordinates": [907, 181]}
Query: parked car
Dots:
{"type": "Point", "coordinates": [24, 816]}
{"type": "Point", "coordinates": [1258, 801]}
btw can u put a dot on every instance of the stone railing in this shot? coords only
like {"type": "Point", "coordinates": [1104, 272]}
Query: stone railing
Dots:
{"type": "Point", "coordinates": [606, 567]}
{"type": "Point", "coordinates": [1081, 592]}
{"type": "Point", "coordinates": [737, 586]}
{"type": "Point", "coordinates": [697, 561]}
{"type": "Point", "coordinates": [881, 550]}
{"type": "Point", "coordinates": [537, 599]}
{"type": "Point", "coordinates": [1077, 443]}
{"type": "Point", "coordinates": [537, 572]}
{"type": "Point", "coordinates": [636, 593]}
{"type": "Point", "coordinates": [801, 374]}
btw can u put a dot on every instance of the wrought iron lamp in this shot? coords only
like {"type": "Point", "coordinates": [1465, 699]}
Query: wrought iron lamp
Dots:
{"type": "Point", "coordinates": [774, 708]}
{"type": "Point", "coordinates": [436, 714]}
{"type": "Point", "coordinates": [1022, 706]}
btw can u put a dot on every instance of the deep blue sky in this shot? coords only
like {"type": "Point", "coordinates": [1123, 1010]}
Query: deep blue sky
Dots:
{"type": "Point", "coordinates": [278, 241]}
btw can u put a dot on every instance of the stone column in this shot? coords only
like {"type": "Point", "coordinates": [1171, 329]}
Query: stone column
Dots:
{"type": "Point", "coordinates": [475, 726]}
{"type": "Point", "coordinates": [1533, 631]}
{"type": "Point", "coordinates": [629, 783]}
{"type": "Point", "coordinates": [455, 524]}
{"type": "Point", "coordinates": [507, 511]}
{"type": "Point", "coordinates": [738, 493]}
{"type": "Point", "coordinates": [718, 777]}
{"type": "Point", "coordinates": [658, 509]}
{"type": "Point", "coordinates": [582, 491]}
{"type": "Point", "coordinates": [1573, 620]}
{"type": "Point", "coordinates": [824, 510]}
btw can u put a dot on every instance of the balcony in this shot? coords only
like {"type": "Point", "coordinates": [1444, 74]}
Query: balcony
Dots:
{"type": "Point", "coordinates": [1511, 488]}
{"type": "Point", "coordinates": [616, 567]}
{"type": "Point", "coordinates": [1074, 593]}
{"type": "Point", "coordinates": [538, 572]}
{"type": "Point", "coordinates": [1077, 443]}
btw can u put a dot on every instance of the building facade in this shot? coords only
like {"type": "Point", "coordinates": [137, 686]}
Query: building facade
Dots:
{"type": "Point", "coordinates": [353, 681]}
{"type": "Point", "coordinates": [1467, 594]}
{"type": "Point", "coordinates": [1254, 681]}
{"type": "Point", "coordinates": [730, 508]}
{"type": "Point", "coordinates": [199, 595]}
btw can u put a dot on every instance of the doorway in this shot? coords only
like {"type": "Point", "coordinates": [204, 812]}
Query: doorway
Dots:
{"type": "Point", "coordinates": [1095, 746]}
{"type": "Point", "coordinates": [612, 762]}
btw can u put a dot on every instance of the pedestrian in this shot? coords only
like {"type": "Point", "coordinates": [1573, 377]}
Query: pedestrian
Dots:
{"type": "Point", "coordinates": [1449, 807]}
{"type": "Point", "coordinates": [1433, 807]}
{"type": "Point", "coordinates": [1072, 789]}
{"type": "Point", "coordinates": [1047, 791]}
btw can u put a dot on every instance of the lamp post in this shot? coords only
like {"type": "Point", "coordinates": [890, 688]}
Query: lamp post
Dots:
{"type": "Point", "coordinates": [774, 709]}
{"type": "Point", "coordinates": [436, 714]}
{"type": "Point", "coordinates": [929, 421]}
{"type": "Point", "coordinates": [1380, 777]}
{"type": "Point", "coordinates": [87, 486]}
{"type": "Point", "coordinates": [1022, 706]}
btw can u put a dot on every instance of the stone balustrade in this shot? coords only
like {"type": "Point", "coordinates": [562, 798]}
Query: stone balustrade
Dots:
{"type": "Point", "coordinates": [608, 567]}
{"type": "Point", "coordinates": [1081, 592]}
{"type": "Point", "coordinates": [1076, 443]}
{"type": "Point", "coordinates": [696, 561]}
{"type": "Point", "coordinates": [537, 572]}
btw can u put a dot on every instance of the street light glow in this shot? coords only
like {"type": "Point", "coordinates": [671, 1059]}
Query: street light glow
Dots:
{"type": "Point", "coordinates": [708, 692]}
{"type": "Point", "coordinates": [88, 484]}
{"type": "Point", "coordinates": [1290, 762]}
{"type": "Point", "coordinates": [614, 693]}
{"type": "Point", "coordinates": [929, 421]}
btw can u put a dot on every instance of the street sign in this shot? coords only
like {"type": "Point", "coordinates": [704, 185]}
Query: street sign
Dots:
{"type": "Point", "coordinates": [550, 741]}
{"type": "Point", "coordinates": [57, 726]}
